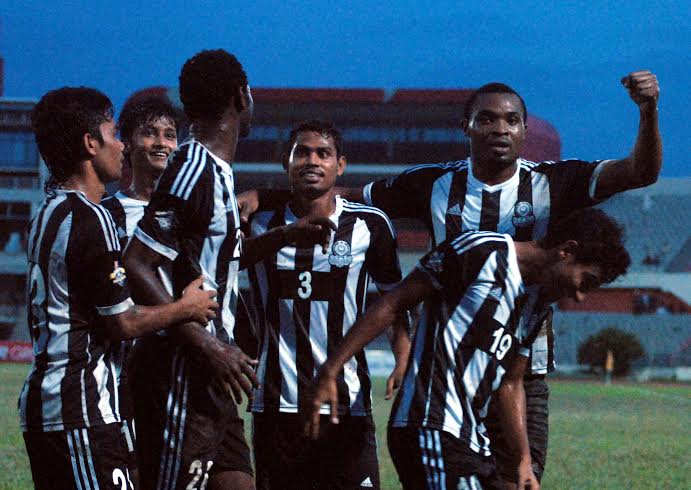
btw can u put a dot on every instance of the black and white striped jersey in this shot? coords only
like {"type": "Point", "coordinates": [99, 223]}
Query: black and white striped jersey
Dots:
{"type": "Point", "coordinates": [74, 278]}
{"type": "Point", "coordinates": [126, 213]}
{"type": "Point", "coordinates": [450, 200]}
{"type": "Point", "coordinates": [307, 301]}
{"type": "Point", "coordinates": [468, 337]}
{"type": "Point", "coordinates": [193, 220]}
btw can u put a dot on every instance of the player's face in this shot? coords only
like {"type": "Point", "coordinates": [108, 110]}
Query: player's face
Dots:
{"type": "Point", "coordinates": [570, 279]}
{"type": "Point", "coordinates": [496, 128]}
{"type": "Point", "coordinates": [152, 143]}
{"type": "Point", "coordinates": [313, 163]}
{"type": "Point", "coordinates": [246, 115]}
{"type": "Point", "coordinates": [107, 159]}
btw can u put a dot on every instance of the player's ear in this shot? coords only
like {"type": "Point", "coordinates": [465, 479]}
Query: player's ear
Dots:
{"type": "Point", "coordinates": [341, 165]}
{"type": "Point", "coordinates": [90, 143]}
{"type": "Point", "coordinates": [568, 248]}
{"type": "Point", "coordinates": [241, 99]}
{"type": "Point", "coordinates": [464, 125]}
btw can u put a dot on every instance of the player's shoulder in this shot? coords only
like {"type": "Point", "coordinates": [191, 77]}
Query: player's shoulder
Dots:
{"type": "Point", "coordinates": [93, 221]}
{"type": "Point", "coordinates": [439, 168]}
{"type": "Point", "coordinates": [370, 214]}
{"type": "Point", "coordinates": [479, 243]}
{"type": "Point", "coordinates": [552, 165]}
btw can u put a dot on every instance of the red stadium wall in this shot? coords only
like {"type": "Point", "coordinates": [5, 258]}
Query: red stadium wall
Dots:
{"type": "Point", "coordinates": [621, 300]}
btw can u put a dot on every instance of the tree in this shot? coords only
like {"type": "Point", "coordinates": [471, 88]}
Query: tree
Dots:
{"type": "Point", "coordinates": [625, 347]}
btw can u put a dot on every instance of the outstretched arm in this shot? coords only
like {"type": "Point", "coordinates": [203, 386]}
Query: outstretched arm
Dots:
{"type": "Point", "coordinates": [512, 416]}
{"type": "Point", "coordinates": [304, 232]}
{"type": "Point", "coordinates": [413, 289]}
{"type": "Point", "coordinates": [642, 166]}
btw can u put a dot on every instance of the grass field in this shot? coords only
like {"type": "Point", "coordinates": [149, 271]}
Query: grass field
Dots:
{"type": "Point", "coordinates": [623, 436]}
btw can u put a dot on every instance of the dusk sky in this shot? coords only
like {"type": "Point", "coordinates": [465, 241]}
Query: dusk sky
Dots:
{"type": "Point", "coordinates": [566, 58]}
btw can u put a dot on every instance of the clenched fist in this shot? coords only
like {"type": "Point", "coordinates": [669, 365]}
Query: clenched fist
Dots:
{"type": "Point", "coordinates": [643, 88]}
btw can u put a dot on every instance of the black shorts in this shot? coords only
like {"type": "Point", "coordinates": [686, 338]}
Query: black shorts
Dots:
{"type": "Point", "coordinates": [344, 456]}
{"type": "Point", "coordinates": [188, 428]}
{"type": "Point", "coordinates": [91, 458]}
{"type": "Point", "coordinates": [434, 459]}
{"type": "Point", "coordinates": [537, 412]}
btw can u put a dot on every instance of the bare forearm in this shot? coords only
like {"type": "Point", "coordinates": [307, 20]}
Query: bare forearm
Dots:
{"type": "Point", "coordinates": [646, 157]}
{"type": "Point", "coordinates": [374, 322]}
{"type": "Point", "coordinates": [512, 406]}
{"type": "Point", "coordinates": [256, 248]}
{"type": "Point", "coordinates": [400, 339]}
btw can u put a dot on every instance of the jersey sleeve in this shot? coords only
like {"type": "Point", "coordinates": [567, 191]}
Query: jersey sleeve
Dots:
{"type": "Point", "coordinates": [573, 183]}
{"type": "Point", "coordinates": [406, 195]}
{"type": "Point", "coordinates": [180, 204]}
{"type": "Point", "coordinates": [101, 275]}
{"type": "Point", "coordinates": [382, 257]}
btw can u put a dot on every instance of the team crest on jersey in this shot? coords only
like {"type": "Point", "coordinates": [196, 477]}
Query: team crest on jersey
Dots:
{"type": "Point", "coordinates": [118, 275]}
{"type": "Point", "coordinates": [523, 214]}
{"type": "Point", "coordinates": [340, 254]}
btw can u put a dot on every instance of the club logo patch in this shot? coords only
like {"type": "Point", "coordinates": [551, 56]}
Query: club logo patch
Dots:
{"type": "Point", "coordinates": [340, 254]}
{"type": "Point", "coordinates": [523, 214]}
{"type": "Point", "coordinates": [118, 275]}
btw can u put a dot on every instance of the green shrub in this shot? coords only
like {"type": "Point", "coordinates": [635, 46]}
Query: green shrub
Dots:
{"type": "Point", "coordinates": [625, 348]}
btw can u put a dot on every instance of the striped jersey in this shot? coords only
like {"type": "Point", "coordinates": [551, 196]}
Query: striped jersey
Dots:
{"type": "Point", "coordinates": [307, 301]}
{"type": "Point", "coordinates": [193, 220]}
{"type": "Point", "coordinates": [74, 279]}
{"type": "Point", "coordinates": [126, 213]}
{"type": "Point", "coordinates": [468, 337]}
{"type": "Point", "coordinates": [450, 200]}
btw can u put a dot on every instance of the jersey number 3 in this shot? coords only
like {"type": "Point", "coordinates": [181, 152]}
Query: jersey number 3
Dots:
{"type": "Point", "coordinates": [305, 289]}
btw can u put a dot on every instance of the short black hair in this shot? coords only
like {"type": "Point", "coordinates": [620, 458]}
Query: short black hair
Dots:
{"type": "Point", "coordinates": [209, 81]}
{"type": "Point", "coordinates": [492, 88]}
{"type": "Point", "coordinates": [60, 120]}
{"type": "Point", "coordinates": [142, 108]}
{"type": "Point", "coordinates": [600, 241]}
{"type": "Point", "coordinates": [324, 128]}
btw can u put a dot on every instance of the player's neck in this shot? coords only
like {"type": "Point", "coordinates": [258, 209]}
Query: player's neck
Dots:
{"type": "Point", "coordinates": [321, 206]}
{"type": "Point", "coordinates": [491, 172]}
{"type": "Point", "coordinates": [87, 181]}
{"type": "Point", "coordinates": [220, 138]}
{"type": "Point", "coordinates": [532, 261]}
{"type": "Point", "coordinates": [142, 185]}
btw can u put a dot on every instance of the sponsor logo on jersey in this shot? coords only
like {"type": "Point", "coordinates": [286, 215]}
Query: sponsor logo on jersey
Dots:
{"type": "Point", "coordinates": [118, 275]}
{"type": "Point", "coordinates": [455, 210]}
{"type": "Point", "coordinates": [434, 261]}
{"type": "Point", "coordinates": [523, 214]}
{"type": "Point", "coordinates": [340, 254]}
{"type": "Point", "coordinates": [367, 483]}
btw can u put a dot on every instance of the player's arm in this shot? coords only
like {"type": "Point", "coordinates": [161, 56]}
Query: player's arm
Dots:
{"type": "Point", "coordinates": [227, 362]}
{"type": "Point", "coordinates": [249, 202]}
{"type": "Point", "coordinates": [642, 166]}
{"type": "Point", "coordinates": [400, 340]}
{"type": "Point", "coordinates": [413, 289]}
{"type": "Point", "coordinates": [305, 231]}
{"type": "Point", "coordinates": [195, 305]}
{"type": "Point", "coordinates": [512, 416]}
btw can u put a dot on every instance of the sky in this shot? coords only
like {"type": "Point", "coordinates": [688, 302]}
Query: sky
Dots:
{"type": "Point", "coordinates": [566, 58]}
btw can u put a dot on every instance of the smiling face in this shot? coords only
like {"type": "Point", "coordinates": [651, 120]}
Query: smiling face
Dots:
{"type": "Point", "coordinates": [107, 156]}
{"type": "Point", "coordinates": [496, 128]}
{"type": "Point", "coordinates": [152, 143]}
{"type": "Point", "coordinates": [313, 163]}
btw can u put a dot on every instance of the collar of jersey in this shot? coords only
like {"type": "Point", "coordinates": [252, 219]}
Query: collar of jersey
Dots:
{"type": "Point", "coordinates": [219, 161]}
{"type": "Point", "coordinates": [122, 197]}
{"type": "Point", "coordinates": [291, 218]}
{"type": "Point", "coordinates": [512, 182]}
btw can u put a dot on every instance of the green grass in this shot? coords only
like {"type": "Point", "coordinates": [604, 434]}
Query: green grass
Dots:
{"type": "Point", "coordinates": [623, 436]}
